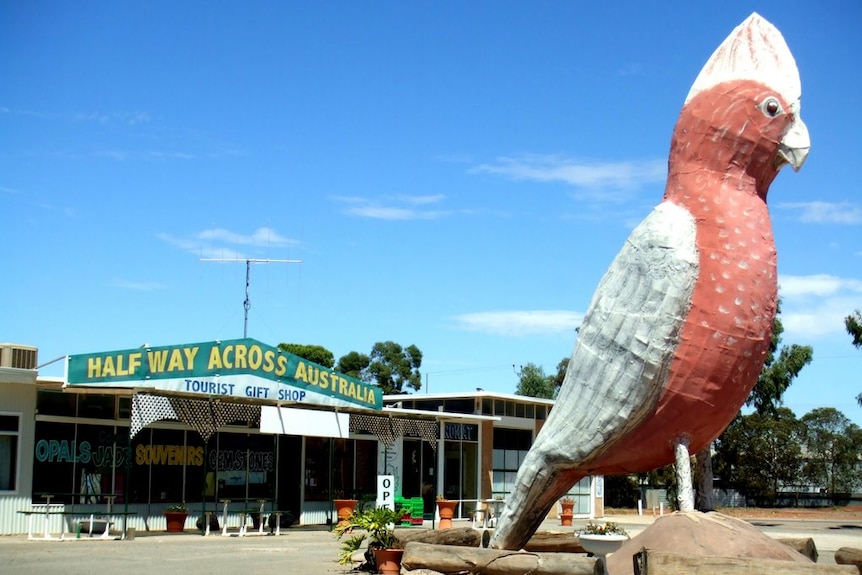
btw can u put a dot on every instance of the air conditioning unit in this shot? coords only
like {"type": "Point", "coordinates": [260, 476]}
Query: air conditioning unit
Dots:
{"type": "Point", "coordinates": [18, 356]}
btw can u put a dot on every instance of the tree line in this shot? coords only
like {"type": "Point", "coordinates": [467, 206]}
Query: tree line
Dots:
{"type": "Point", "coordinates": [389, 365]}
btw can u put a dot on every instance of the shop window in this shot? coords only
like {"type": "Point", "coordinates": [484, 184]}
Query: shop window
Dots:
{"type": "Point", "coordinates": [316, 469]}
{"type": "Point", "coordinates": [499, 407]}
{"type": "Point", "coordinates": [101, 464]}
{"type": "Point", "coordinates": [352, 467]}
{"type": "Point", "coordinates": [343, 460]}
{"type": "Point", "coordinates": [428, 404]}
{"type": "Point", "coordinates": [244, 466]}
{"type": "Point", "coordinates": [124, 407]}
{"type": "Point", "coordinates": [97, 406]}
{"type": "Point", "coordinates": [9, 436]}
{"type": "Point", "coordinates": [458, 405]}
{"type": "Point", "coordinates": [366, 466]}
{"type": "Point", "coordinates": [487, 406]}
{"type": "Point", "coordinates": [160, 455]}
{"type": "Point", "coordinates": [57, 453]}
{"type": "Point", "coordinates": [509, 450]}
{"type": "Point", "coordinates": [56, 403]}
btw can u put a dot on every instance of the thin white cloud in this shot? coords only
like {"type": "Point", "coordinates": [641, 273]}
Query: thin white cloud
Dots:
{"type": "Point", "coordinates": [422, 200]}
{"type": "Point", "coordinates": [815, 306]}
{"type": "Point", "coordinates": [820, 285]}
{"type": "Point", "coordinates": [128, 118]}
{"type": "Point", "coordinates": [826, 212]}
{"type": "Point", "coordinates": [223, 244]}
{"type": "Point", "coordinates": [520, 322]}
{"type": "Point", "coordinates": [402, 207]}
{"type": "Point", "coordinates": [267, 237]}
{"type": "Point", "coordinates": [118, 117]}
{"type": "Point", "coordinates": [137, 286]}
{"type": "Point", "coordinates": [595, 175]}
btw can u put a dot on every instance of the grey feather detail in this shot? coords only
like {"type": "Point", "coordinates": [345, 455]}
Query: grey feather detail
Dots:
{"type": "Point", "coordinates": [629, 334]}
{"type": "Point", "coordinates": [618, 368]}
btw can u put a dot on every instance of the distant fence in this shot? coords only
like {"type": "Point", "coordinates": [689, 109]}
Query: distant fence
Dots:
{"type": "Point", "coordinates": [730, 498]}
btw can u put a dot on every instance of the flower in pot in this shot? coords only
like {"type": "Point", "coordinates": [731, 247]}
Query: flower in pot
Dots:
{"type": "Point", "coordinates": [602, 539]}
{"type": "Point", "coordinates": [175, 517]}
{"type": "Point", "coordinates": [378, 524]}
{"type": "Point", "coordinates": [568, 508]}
{"type": "Point", "coordinates": [607, 528]}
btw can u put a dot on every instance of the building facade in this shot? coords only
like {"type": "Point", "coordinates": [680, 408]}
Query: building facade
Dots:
{"type": "Point", "coordinates": [88, 445]}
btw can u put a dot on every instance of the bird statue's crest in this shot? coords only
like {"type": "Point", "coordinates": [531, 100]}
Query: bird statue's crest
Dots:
{"type": "Point", "coordinates": [755, 50]}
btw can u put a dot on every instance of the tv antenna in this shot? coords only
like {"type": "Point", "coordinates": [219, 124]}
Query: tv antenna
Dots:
{"type": "Point", "coordinates": [248, 261]}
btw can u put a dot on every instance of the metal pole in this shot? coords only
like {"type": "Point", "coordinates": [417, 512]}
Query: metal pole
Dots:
{"type": "Point", "coordinates": [246, 304]}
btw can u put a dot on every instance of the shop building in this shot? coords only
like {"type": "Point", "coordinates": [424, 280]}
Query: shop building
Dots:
{"type": "Point", "coordinates": [143, 447]}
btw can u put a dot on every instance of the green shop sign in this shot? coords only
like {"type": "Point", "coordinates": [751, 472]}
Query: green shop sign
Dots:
{"type": "Point", "coordinates": [238, 368]}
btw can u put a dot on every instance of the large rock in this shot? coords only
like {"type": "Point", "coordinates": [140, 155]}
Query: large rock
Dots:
{"type": "Point", "coordinates": [702, 534]}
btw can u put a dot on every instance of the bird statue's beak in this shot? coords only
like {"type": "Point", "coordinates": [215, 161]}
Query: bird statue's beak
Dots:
{"type": "Point", "coordinates": [794, 146]}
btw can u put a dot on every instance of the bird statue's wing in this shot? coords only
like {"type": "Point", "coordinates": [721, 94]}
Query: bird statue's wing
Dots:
{"type": "Point", "coordinates": [617, 370]}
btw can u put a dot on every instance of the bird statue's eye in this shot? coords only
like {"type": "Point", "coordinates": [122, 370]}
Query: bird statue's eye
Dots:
{"type": "Point", "coordinates": [771, 107]}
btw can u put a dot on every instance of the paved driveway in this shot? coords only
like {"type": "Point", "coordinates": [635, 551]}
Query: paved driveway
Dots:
{"type": "Point", "coordinates": [301, 550]}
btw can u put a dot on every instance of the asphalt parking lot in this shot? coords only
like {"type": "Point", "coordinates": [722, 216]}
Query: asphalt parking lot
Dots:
{"type": "Point", "coordinates": [301, 550]}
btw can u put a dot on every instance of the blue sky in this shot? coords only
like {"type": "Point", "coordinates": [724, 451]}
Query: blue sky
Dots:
{"type": "Point", "coordinates": [454, 175]}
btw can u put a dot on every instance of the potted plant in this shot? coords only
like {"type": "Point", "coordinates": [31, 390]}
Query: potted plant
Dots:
{"type": "Point", "coordinates": [446, 509]}
{"type": "Point", "coordinates": [602, 539]}
{"type": "Point", "coordinates": [175, 517]}
{"type": "Point", "coordinates": [384, 550]}
{"type": "Point", "coordinates": [568, 510]}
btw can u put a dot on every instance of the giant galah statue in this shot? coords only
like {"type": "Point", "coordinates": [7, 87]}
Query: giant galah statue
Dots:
{"type": "Point", "coordinates": [676, 333]}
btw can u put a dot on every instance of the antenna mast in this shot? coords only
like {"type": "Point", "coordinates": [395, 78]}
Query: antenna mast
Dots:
{"type": "Point", "coordinates": [248, 261]}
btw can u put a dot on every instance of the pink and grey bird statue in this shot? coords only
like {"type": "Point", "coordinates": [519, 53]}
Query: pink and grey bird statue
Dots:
{"type": "Point", "coordinates": [677, 331]}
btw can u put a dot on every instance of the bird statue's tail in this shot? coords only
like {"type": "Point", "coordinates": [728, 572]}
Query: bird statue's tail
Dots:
{"type": "Point", "coordinates": [533, 497]}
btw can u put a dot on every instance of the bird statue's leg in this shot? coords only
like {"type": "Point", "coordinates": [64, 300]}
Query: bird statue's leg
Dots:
{"type": "Point", "coordinates": [685, 493]}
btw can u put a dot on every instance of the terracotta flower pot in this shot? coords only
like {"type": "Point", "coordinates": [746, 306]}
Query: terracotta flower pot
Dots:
{"type": "Point", "coordinates": [568, 509]}
{"type": "Point", "coordinates": [176, 521]}
{"type": "Point", "coordinates": [388, 561]}
{"type": "Point", "coordinates": [446, 509]}
{"type": "Point", "coordinates": [344, 509]}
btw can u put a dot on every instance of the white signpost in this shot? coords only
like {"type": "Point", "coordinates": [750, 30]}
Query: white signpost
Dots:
{"type": "Point", "coordinates": [386, 491]}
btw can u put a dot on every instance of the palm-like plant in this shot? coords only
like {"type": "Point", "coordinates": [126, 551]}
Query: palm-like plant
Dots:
{"type": "Point", "coordinates": [378, 524]}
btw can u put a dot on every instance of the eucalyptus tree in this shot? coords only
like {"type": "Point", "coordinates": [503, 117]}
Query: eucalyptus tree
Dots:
{"type": "Point", "coordinates": [759, 455]}
{"type": "Point", "coordinates": [314, 353]}
{"type": "Point", "coordinates": [766, 397]}
{"type": "Point", "coordinates": [532, 382]}
{"type": "Point", "coordinates": [853, 323]}
{"type": "Point", "coordinates": [832, 450]}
